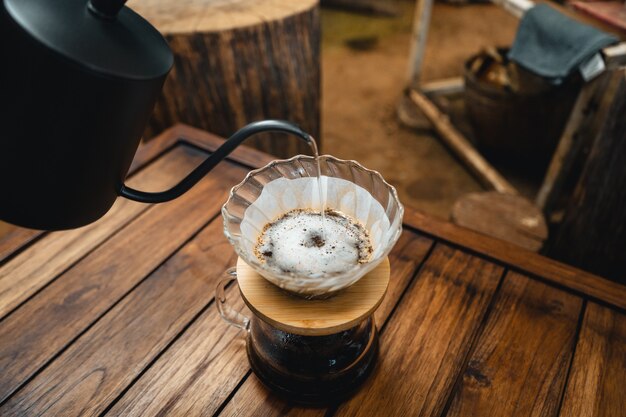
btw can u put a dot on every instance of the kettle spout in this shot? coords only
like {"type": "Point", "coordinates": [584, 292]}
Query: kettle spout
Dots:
{"type": "Point", "coordinates": [222, 152]}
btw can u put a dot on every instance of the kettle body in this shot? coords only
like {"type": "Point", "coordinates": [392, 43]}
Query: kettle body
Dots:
{"type": "Point", "coordinates": [73, 110]}
{"type": "Point", "coordinates": [78, 81]}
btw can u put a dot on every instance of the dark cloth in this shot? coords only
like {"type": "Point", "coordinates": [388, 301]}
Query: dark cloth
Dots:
{"type": "Point", "coordinates": [552, 45]}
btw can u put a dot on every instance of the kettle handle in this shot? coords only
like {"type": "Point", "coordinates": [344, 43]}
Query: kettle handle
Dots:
{"type": "Point", "coordinates": [222, 152]}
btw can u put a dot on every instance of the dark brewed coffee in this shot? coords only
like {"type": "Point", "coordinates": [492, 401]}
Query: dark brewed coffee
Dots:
{"type": "Point", "coordinates": [313, 370]}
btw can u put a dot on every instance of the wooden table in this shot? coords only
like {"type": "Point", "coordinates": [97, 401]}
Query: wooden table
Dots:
{"type": "Point", "coordinates": [117, 318]}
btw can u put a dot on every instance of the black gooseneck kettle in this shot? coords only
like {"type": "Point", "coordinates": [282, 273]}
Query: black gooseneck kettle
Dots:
{"type": "Point", "coordinates": [78, 81]}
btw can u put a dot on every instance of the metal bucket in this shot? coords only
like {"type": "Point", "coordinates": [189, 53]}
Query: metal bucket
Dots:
{"type": "Point", "coordinates": [522, 119]}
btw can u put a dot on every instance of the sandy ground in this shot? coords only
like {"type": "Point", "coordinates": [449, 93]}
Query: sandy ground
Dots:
{"type": "Point", "coordinates": [361, 89]}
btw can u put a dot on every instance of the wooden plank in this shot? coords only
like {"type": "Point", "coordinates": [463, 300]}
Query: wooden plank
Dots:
{"type": "Point", "coordinates": [406, 257]}
{"type": "Point", "coordinates": [504, 216]}
{"type": "Point", "coordinates": [588, 115]}
{"type": "Point", "coordinates": [186, 362]}
{"type": "Point", "coordinates": [592, 234]}
{"type": "Point", "coordinates": [254, 399]}
{"type": "Point", "coordinates": [62, 310]}
{"type": "Point", "coordinates": [520, 361]}
{"type": "Point", "coordinates": [100, 364]}
{"type": "Point", "coordinates": [462, 148]}
{"type": "Point", "coordinates": [56, 252]}
{"type": "Point", "coordinates": [419, 34]}
{"type": "Point", "coordinates": [575, 135]}
{"type": "Point", "coordinates": [14, 237]}
{"type": "Point", "coordinates": [596, 383]}
{"type": "Point", "coordinates": [445, 86]}
{"type": "Point", "coordinates": [196, 374]}
{"type": "Point", "coordinates": [424, 346]}
{"type": "Point", "coordinates": [529, 262]}
{"type": "Point", "coordinates": [615, 55]}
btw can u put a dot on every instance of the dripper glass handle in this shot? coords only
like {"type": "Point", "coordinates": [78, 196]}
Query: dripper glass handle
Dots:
{"type": "Point", "coordinates": [228, 313]}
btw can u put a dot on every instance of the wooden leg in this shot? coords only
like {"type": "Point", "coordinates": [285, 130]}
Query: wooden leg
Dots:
{"type": "Point", "coordinates": [445, 86]}
{"type": "Point", "coordinates": [421, 23]}
{"type": "Point", "coordinates": [569, 146]}
{"type": "Point", "coordinates": [461, 147]}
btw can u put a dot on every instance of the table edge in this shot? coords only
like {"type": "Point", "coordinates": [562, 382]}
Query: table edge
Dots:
{"type": "Point", "coordinates": [539, 266]}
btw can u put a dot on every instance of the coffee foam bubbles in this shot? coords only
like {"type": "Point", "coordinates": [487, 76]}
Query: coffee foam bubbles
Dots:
{"type": "Point", "coordinates": [283, 195]}
{"type": "Point", "coordinates": [297, 243]}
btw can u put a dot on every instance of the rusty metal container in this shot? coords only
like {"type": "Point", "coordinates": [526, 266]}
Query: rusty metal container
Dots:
{"type": "Point", "coordinates": [513, 112]}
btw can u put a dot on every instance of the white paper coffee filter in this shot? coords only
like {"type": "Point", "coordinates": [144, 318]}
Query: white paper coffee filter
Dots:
{"type": "Point", "coordinates": [268, 193]}
{"type": "Point", "coordinates": [282, 195]}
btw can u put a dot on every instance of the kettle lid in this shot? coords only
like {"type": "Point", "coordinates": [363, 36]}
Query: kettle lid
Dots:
{"type": "Point", "coordinates": [124, 45]}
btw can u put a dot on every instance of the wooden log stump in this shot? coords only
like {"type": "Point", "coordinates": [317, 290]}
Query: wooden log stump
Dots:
{"type": "Point", "coordinates": [238, 62]}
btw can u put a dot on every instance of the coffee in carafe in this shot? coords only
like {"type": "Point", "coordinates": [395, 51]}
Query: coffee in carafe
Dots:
{"type": "Point", "coordinates": [311, 282]}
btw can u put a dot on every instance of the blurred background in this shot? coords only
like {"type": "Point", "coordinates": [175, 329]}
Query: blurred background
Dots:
{"type": "Point", "coordinates": [502, 117]}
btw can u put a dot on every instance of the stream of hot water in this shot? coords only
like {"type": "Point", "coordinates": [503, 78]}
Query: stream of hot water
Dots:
{"type": "Point", "coordinates": [313, 145]}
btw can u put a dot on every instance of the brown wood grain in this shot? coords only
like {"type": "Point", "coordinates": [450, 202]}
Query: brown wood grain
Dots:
{"type": "Point", "coordinates": [593, 232]}
{"type": "Point", "coordinates": [82, 361]}
{"type": "Point", "coordinates": [520, 361]}
{"type": "Point", "coordinates": [556, 272]}
{"type": "Point", "coordinates": [239, 63]}
{"type": "Point", "coordinates": [406, 257]}
{"type": "Point", "coordinates": [13, 237]}
{"type": "Point", "coordinates": [504, 216]}
{"type": "Point", "coordinates": [596, 381]}
{"type": "Point", "coordinates": [57, 314]}
{"type": "Point", "coordinates": [424, 345]}
{"type": "Point", "coordinates": [196, 375]}
{"type": "Point", "coordinates": [254, 399]}
{"type": "Point", "coordinates": [577, 134]}
{"type": "Point", "coordinates": [302, 316]}
{"type": "Point", "coordinates": [37, 265]}
{"type": "Point", "coordinates": [527, 261]}
{"type": "Point", "coordinates": [99, 365]}
{"type": "Point", "coordinates": [201, 16]}
{"type": "Point", "coordinates": [187, 362]}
